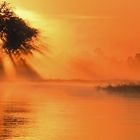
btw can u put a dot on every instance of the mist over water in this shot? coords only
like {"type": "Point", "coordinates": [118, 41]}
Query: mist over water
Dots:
{"type": "Point", "coordinates": [60, 111]}
{"type": "Point", "coordinates": [68, 110]}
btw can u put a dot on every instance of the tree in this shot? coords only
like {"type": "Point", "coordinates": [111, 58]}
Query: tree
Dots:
{"type": "Point", "coordinates": [17, 39]}
{"type": "Point", "coordinates": [15, 34]}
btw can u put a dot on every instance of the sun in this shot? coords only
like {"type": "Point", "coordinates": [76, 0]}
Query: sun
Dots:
{"type": "Point", "coordinates": [36, 20]}
{"type": "Point", "coordinates": [26, 14]}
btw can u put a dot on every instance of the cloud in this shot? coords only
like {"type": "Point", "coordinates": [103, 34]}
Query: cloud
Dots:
{"type": "Point", "coordinates": [80, 17]}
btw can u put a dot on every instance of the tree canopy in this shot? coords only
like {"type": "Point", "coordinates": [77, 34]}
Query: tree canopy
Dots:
{"type": "Point", "coordinates": [15, 33]}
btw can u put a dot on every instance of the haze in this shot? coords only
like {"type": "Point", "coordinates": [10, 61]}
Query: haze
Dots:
{"type": "Point", "coordinates": [92, 39]}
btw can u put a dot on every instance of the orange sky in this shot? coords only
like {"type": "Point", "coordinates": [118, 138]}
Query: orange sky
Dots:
{"type": "Point", "coordinates": [89, 39]}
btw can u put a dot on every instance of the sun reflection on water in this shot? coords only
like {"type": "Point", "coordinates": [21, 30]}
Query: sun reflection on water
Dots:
{"type": "Point", "coordinates": [38, 111]}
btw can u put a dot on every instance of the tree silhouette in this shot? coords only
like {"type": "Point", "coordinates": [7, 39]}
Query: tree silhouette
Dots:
{"type": "Point", "coordinates": [15, 34]}
{"type": "Point", "coordinates": [17, 39]}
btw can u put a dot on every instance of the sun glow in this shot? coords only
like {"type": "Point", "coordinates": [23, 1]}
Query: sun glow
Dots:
{"type": "Point", "coordinates": [56, 36]}
{"type": "Point", "coordinates": [29, 16]}
{"type": "Point", "coordinates": [55, 41]}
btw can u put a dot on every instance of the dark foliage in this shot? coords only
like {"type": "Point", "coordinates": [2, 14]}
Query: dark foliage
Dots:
{"type": "Point", "coordinates": [122, 88]}
{"type": "Point", "coordinates": [15, 34]}
{"type": "Point", "coordinates": [126, 90]}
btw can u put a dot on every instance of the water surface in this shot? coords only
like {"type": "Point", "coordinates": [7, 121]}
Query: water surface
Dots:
{"type": "Point", "coordinates": [66, 112]}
